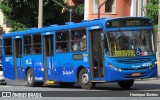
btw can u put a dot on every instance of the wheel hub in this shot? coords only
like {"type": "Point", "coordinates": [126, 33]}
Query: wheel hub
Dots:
{"type": "Point", "coordinates": [30, 78]}
{"type": "Point", "coordinates": [85, 79]}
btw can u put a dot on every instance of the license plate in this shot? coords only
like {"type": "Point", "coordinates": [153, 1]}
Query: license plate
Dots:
{"type": "Point", "coordinates": [136, 74]}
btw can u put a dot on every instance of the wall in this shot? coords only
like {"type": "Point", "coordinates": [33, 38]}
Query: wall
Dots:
{"type": "Point", "coordinates": [122, 9]}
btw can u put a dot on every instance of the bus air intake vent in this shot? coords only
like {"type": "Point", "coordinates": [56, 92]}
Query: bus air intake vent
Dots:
{"type": "Point", "coordinates": [133, 60]}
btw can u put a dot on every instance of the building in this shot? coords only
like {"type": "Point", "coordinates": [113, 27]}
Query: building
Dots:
{"type": "Point", "coordinates": [4, 24]}
{"type": "Point", "coordinates": [74, 2]}
{"type": "Point", "coordinates": [4, 28]}
{"type": "Point", "coordinates": [114, 8]}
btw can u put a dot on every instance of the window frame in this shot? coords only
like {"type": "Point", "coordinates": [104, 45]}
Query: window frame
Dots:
{"type": "Point", "coordinates": [112, 8]}
{"type": "Point", "coordinates": [80, 40]}
{"type": "Point", "coordinates": [31, 52]}
{"type": "Point", "coordinates": [66, 31]}
{"type": "Point", "coordinates": [34, 44]}
{"type": "Point", "coordinates": [94, 6]}
{"type": "Point", "coordinates": [10, 46]}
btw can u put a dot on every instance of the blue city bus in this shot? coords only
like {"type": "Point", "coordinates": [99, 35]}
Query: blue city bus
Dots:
{"type": "Point", "coordinates": [95, 51]}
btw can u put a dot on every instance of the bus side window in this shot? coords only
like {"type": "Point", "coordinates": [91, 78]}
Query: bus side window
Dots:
{"type": "Point", "coordinates": [78, 40]}
{"type": "Point", "coordinates": [8, 46]}
{"type": "Point", "coordinates": [27, 44]}
{"type": "Point", "coordinates": [37, 49]}
{"type": "Point", "coordinates": [62, 41]}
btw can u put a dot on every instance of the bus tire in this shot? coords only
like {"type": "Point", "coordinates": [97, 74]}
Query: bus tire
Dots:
{"type": "Point", "coordinates": [4, 83]}
{"type": "Point", "coordinates": [30, 78]}
{"type": "Point", "coordinates": [84, 80]}
{"type": "Point", "coordinates": [126, 84]}
{"type": "Point", "coordinates": [66, 84]}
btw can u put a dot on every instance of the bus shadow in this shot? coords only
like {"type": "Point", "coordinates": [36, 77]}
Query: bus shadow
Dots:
{"type": "Point", "coordinates": [136, 86]}
{"type": "Point", "coordinates": [115, 87]}
{"type": "Point", "coordinates": [99, 86]}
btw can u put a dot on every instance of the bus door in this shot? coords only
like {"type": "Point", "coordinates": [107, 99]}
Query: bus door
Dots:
{"type": "Point", "coordinates": [96, 55]}
{"type": "Point", "coordinates": [17, 58]}
{"type": "Point", "coordinates": [48, 56]}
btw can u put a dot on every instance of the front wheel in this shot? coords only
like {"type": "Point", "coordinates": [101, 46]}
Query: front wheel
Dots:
{"type": "Point", "coordinates": [84, 80]}
{"type": "Point", "coordinates": [126, 84]}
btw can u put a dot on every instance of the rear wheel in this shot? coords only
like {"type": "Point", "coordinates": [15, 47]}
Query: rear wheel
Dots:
{"type": "Point", "coordinates": [4, 83]}
{"type": "Point", "coordinates": [126, 84]}
{"type": "Point", "coordinates": [84, 80]}
{"type": "Point", "coordinates": [66, 84]}
{"type": "Point", "coordinates": [30, 78]}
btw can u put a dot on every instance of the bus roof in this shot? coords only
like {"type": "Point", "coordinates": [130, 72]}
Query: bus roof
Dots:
{"type": "Point", "coordinates": [68, 25]}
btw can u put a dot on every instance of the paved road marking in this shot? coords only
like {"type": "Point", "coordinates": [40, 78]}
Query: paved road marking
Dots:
{"type": "Point", "coordinates": [5, 86]}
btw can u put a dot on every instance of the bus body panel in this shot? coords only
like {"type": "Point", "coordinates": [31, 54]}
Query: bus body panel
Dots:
{"type": "Point", "coordinates": [66, 71]}
{"type": "Point", "coordinates": [64, 67]}
{"type": "Point", "coordinates": [37, 65]}
{"type": "Point", "coordinates": [8, 69]}
{"type": "Point", "coordinates": [34, 62]}
{"type": "Point", "coordinates": [130, 68]}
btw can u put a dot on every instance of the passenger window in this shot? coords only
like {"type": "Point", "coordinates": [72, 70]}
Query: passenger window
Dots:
{"type": "Point", "coordinates": [27, 44]}
{"type": "Point", "coordinates": [8, 46]}
{"type": "Point", "coordinates": [62, 41]}
{"type": "Point", "coordinates": [37, 44]}
{"type": "Point", "coordinates": [78, 41]}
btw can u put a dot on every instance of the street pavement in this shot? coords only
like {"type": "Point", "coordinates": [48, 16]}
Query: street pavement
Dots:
{"type": "Point", "coordinates": [112, 90]}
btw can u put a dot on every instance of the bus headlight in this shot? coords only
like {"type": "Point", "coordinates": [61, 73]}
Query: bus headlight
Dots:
{"type": "Point", "coordinates": [119, 70]}
{"type": "Point", "coordinates": [151, 66]}
{"type": "Point", "coordinates": [113, 67]}
{"type": "Point", "coordinates": [155, 62]}
{"type": "Point", "coordinates": [109, 64]}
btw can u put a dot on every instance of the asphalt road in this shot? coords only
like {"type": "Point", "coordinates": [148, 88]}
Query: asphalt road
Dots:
{"type": "Point", "coordinates": [111, 90]}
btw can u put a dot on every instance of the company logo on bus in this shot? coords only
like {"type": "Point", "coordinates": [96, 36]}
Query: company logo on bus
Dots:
{"type": "Point", "coordinates": [136, 66]}
{"type": "Point", "coordinates": [146, 64]}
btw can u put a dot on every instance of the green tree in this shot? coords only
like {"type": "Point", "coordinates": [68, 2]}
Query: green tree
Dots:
{"type": "Point", "coordinates": [78, 13]}
{"type": "Point", "coordinates": [152, 10]}
{"type": "Point", "coordinates": [23, 14]}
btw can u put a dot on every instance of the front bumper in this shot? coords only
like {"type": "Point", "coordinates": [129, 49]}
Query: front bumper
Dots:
{"type": "Point", "coordinates": [112, 75]}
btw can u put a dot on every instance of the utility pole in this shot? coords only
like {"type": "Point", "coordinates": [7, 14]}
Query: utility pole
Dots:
{"type": "Point", "coordinates": [99, 7]}
{"type": "Point", "coordinates": [158, 41]}
{"type": "Point", "coordinates": [40, 14]}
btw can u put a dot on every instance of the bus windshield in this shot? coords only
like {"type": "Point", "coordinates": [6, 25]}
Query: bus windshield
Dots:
{"type": "Point", "coordinates": [130, 43]}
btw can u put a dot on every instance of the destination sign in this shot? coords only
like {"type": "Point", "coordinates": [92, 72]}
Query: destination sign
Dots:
{"type": "Point", "coordinates": [128, 22]}
{"type": "Point", "coordinates": [120, 53]}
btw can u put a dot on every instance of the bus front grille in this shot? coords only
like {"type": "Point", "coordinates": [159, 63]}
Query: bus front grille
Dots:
{"type": "Point", "coordinates": [141, 68]}
{"type": "Point", "coordinates": [133, 60]}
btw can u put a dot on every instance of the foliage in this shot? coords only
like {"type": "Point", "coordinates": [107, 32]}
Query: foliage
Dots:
{"type": "Point", "coordinates": [78, 13]}
{"type": "Point", "coordinates": [22, 14]}
{"type": "Point", "coordinates": [152, 10]}
{"type": "Point", "coordinates": [79, 10]}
